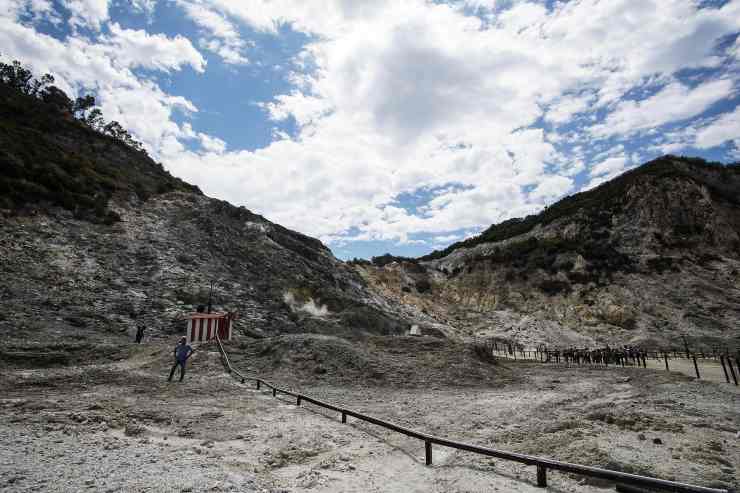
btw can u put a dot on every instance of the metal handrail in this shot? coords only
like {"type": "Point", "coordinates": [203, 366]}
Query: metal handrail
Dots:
{"type": "Point", "coordinates": [542, 464]}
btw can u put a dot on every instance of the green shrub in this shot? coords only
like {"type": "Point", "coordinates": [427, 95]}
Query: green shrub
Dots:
{"type": "Point", "coordinates": [423, 286]}
{"type": "Point", "coordinates": [551, 287]}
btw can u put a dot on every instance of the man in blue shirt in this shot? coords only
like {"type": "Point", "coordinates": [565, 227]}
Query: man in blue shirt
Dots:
{"type": "Point", "coordinates": [182, 353]}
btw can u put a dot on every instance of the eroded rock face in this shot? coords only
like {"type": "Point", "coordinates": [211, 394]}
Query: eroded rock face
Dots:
{"type": "Point", "coordinates": [657, 260]}
{"type": "Point", "coordinates": [65, 276]}
{"type": "Point", "coordinates": [98, 237]}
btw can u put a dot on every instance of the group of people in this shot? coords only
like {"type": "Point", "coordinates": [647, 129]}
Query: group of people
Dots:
{"type": "Point", "coordinates": [621, 356]}
{"type": "Point", "coordinates": [182, 352]}
{"type": "Point", "coordinates": [626, 355]}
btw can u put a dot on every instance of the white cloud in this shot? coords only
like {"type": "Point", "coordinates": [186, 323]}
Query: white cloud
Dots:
{"type": "Point", "coordinates": [446, 239]}
{"type": "Point", "coordinates": [564, 108]}
{"type": "Point", "coordinates": [146, 6]}
{"type": "Point", "coordinates": [223, 37]}
{"type": "Point", "coordinates": [36, 9]}
{"type": "Point", "coordinates": [725, 128]}
{"type": "Point", "coordinates": [394, 97]}
{"type": "Point", "coordinates": [552, 187]}
{"type": "Point", "coordinates": [415, 94]}
{"type": "Point", "coordinates": [212, 144]}
{"type": "Point", "coordinates": [137, 48]}
{"type": "Point", "coordinates": [609, 166]}
{"type": "Point", "coordinates": [675, 102]}
{"type": "Point", "coordinates": [735, 49]}
{"type": "Point", "coordinates": [87, 13]}
{"type": "Point", "coordinates": [606, 170]}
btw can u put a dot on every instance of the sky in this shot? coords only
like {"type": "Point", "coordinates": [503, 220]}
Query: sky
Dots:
{"type": "Point", "coordinates": [396, 126]}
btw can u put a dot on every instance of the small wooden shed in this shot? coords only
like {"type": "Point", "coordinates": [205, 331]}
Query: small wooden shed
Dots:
{"type": "Point", "coordinates": [203, 326]}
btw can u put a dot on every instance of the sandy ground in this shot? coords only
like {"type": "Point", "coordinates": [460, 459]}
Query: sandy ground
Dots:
{"type": "Point", "coordinates": [121, 427]}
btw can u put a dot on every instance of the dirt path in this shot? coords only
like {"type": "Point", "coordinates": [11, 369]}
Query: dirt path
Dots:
{"type": "Point", "coordinates": [89, 428]}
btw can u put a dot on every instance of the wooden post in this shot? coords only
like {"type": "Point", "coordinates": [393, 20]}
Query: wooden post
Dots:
{"type": "Point", "coordinates": [242, 380]}
{"type": "Point", "coordinates": [724, 369]}
{"type": "Point", "coordinates": [344, 417]}
{"type": "Point", "coordinates": [298, 401]}
{"type": "Point", "coordinates": [541, 476]}
{"type": "Point", "coordinates": [732, 370]}
{"type": "Point", "coordinates": [274, 392]}
{"type": "Point", "coordinates": [258, 384]}
{"type": "Point", "coordinates": [696, 367]}
{"type": "Point", "coordinates": [686, 347]}
{"type": "Point", "coordinates": [665, 355]}
{"type": "Point", "coordinates": [428, 451]}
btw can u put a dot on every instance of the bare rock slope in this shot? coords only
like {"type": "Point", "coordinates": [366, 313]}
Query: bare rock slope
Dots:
{"type": "Point", "coordinates": [645, 258]}
{"type": "Point", "coordinates": [97, 238]}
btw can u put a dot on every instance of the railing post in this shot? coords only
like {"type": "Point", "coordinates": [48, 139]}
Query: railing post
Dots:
{"type": "Point", "coordinates": [724, 368]}
{"type": "Point", "coordinates": [242, 380]}
{"type": "Point", "coordinates": [541, 476]}
{"type": "Point", "coordinates": [298, 403]}
{"type": "Point", "coordinates": [665, 355]}
{"type": "Point", "coordinates": [428, 451]}
{"type": "Point", "coordinates": [274, 392]}
{"type": "Point", "coordinates": [258, 384]}
{"type": "Point", "coordinates": [344, 417]}
{"type": "Point", "coordinates": [696, 367]}
{"type": "Point", "coordinates": [732, 370]}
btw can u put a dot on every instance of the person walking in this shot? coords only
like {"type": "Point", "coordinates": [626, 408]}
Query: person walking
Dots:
{"type": "Point", "coordinates": [182, 352]}
{"type": "Point", "coordinates": [139, 333]}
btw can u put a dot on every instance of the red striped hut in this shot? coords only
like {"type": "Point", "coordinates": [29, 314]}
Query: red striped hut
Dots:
{"type": "Point", "coordinates": [203, 326]}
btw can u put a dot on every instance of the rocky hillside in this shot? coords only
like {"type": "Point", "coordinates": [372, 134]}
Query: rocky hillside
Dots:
{"type": "Point", "coordinates": [97, 238]}
{"type": "Point", "coordinates": [645, 258]}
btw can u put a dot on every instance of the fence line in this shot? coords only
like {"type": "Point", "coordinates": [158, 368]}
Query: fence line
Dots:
{"type": "Point", "coordinates": [542, 464]}
{"type": "Point", "coordinates": [652, 353]}
{"type": "Point", "coordinates": [618, 357]}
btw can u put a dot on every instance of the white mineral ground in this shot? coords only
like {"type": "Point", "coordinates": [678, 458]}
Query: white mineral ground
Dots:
{"type": "Point", "coordinates": [120, 426]}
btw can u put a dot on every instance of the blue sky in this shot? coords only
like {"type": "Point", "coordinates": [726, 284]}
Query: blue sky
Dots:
{"type": "Point", "coordinates": [396, 126]}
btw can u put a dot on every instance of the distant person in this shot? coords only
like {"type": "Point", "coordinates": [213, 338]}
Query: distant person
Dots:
{"type": "Point", "coordinates": [140, 333]}
{"type": "Point", "coordinates": [182, 352]}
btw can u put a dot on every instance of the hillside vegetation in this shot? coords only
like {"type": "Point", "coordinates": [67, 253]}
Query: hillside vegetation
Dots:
{"type": "Point", "coordinates": [59, 152]}
{"type": "Point", "coordinates": [719, 178]}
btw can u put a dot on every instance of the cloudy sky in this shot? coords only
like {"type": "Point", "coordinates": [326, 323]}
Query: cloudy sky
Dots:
{"type": "Point", "coordinates": [397, 126]}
